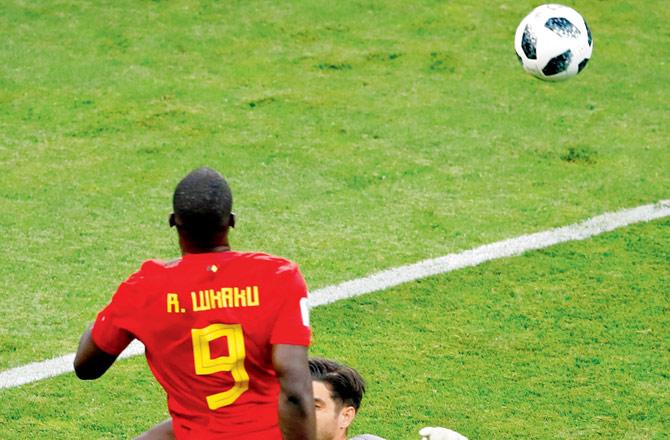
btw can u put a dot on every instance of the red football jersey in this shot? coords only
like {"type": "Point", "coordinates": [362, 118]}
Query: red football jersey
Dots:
{"type": "Point", "coordinates": [208, 322]}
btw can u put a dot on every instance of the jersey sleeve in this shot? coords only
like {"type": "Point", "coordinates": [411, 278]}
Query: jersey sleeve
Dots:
{"type": "Point", "coordinates": [292, 324]}
{"type": "Point", "coordinates": [111, 328]}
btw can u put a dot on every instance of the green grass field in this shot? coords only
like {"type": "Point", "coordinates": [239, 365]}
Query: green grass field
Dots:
{"type": "Point", "coordinates": [357, 136]}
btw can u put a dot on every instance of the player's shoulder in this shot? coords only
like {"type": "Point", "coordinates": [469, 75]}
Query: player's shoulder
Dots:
{"type": "Point", "coordinates": [266, 261]}
{"type": "Point", "coordinates": [148, 269]}
{"type": "Point", "coordinates": [154, 265]}
{"type": "Point", "coordinates": [366, 437]}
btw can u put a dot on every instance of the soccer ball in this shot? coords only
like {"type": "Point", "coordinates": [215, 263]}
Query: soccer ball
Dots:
{"type": "Point", "coordinates": [553, 42]}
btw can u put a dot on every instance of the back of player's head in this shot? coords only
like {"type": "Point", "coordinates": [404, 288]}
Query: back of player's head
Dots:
{"type": "Point", "coordinates": [345, 384]}
{"type": "Point", "coordinates": [202, 204]}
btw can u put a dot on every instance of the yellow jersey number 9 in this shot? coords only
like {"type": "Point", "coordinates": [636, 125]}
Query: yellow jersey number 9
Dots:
{"type": "Point", "coordinates": [233, 362]}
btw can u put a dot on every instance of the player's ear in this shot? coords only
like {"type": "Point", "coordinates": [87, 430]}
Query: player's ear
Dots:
{"type": "Point", "coordinates": [171, 221]}
{"type": "Point", "coordinates": [231, 220]}
{"type": "Point", "coordinates": [347, 415]}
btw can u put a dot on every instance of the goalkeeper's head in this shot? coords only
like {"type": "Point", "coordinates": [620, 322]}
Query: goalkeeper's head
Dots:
{"type": "Point", "coordinates": [338, 392]}
{"type": "Point", "coordinates": [202, 211]}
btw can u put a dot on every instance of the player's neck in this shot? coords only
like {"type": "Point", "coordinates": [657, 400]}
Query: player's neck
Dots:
{"type": "Point", "coordinates": [219, 243]}
{"type": "Point", "coordinates": [341, 435]}
{"type": "Point", "coordinates": [190, 249]}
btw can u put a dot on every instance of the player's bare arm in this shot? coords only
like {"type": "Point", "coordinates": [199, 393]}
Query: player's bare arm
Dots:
{"type": "Point", "coordinates": [91, 362]}
{"type": "Point", "coordinates": [296, 400]}
{"type": "Point", "coordinates": [162, 431]}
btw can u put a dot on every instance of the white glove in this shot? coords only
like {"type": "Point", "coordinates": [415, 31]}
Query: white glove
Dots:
{"type": "Point", "coordinates": [440, 434]}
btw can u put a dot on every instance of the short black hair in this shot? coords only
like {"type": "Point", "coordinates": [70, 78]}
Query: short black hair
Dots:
{"type": "Point", "coordinates": [345, 384]}
{"type": "Point", "coordinates": [202, 203]}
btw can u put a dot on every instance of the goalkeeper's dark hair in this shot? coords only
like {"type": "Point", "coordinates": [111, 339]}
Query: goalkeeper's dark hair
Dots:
{"type": "Point", "coordinates": [203, 204]}
{"type": "Point", "coordinates": [345, 384]}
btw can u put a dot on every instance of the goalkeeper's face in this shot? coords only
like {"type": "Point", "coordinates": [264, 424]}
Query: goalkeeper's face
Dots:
{"type": "Point", "coordinates": [332, 416]}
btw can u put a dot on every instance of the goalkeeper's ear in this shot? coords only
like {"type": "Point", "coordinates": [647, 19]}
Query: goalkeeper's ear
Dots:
{"type": "Point", "coordinates": [346, 417]}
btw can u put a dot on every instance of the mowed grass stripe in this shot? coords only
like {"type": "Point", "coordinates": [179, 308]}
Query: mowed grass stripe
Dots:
{"type": "Point", "coordinates": [567, 342]}
{"type": "Point", "coordinates": [393, 277]}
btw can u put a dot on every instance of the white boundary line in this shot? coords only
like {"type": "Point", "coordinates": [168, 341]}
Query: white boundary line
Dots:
{"type": "Point", "coordinates": [392, 277]}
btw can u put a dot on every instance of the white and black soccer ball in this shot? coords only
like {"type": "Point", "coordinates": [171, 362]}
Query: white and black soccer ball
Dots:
{"type": "Point", "coordinates": [553, 42]}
